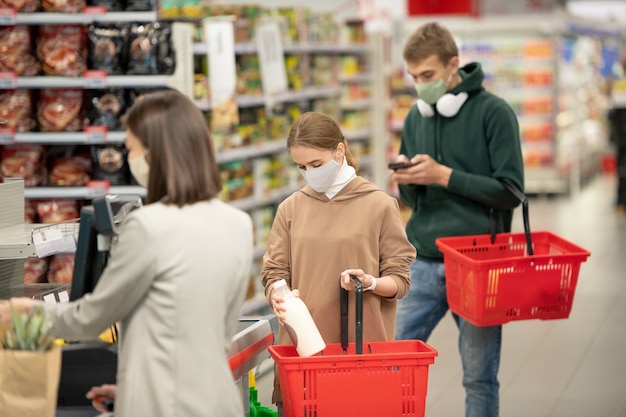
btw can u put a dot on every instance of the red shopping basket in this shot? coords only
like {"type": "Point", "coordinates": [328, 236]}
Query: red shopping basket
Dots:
{"type": "Point", "coordinates": [388, 379]}
{"type": "Point", "coordinates": [494, 279]}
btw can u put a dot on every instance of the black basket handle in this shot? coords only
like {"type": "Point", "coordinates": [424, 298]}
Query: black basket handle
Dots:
{"type": "Point", "coordinates": [358, 315]}
{"type": "Point", "coordinates": [524, 200]}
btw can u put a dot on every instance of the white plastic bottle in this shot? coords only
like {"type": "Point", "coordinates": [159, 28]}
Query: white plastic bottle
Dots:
{"type": "Point", "coordinates": [299, 323]}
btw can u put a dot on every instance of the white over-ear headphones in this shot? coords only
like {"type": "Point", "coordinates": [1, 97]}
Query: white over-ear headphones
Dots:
{"type": "Point", "coordinates": [448, 105]}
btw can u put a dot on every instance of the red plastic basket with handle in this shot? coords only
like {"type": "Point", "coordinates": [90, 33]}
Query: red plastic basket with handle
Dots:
{"type": "Point", "coordinates": [388, 378]}
{"type": "Point", "coordinates": [494, 279]}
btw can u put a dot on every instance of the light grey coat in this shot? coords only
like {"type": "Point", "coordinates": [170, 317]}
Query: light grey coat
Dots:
{"type": "Point", "coordinates": [176, 280]}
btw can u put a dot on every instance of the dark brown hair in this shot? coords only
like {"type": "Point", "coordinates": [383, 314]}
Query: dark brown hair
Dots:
{"type": "Point", "coordinates": [182, 160]}
{"type": "Point", "coordinates": [317, 130]}
{"type": "Point", "coordinates": [430, 39]}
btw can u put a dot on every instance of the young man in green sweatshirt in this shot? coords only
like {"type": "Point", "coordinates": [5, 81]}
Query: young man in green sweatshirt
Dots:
{"type": "Point", "coordinates": [461, 141]}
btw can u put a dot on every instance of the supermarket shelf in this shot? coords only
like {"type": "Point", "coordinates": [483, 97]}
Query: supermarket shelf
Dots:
{"type": "Point", "coordinates": [250, 152]}
{"type": "Point", "coordinates": [356, 135]}
{"type": "Point", "coordinates": [363, 104]}
{"type": "Point", "coordinates": [87, 193]}
{"type": "Point", "coordinates": [122, 81]}
{"type": "Point", "coordinates": [9, 18]}
{"type": "Point", "coordinates": [250, 48]}
{"type": "Point", "coordinates": [63, 138]}
{"type": "Point", "coordinates": [81, 193]}
{"type": "Point", "coordinates": [311, 93]}
{"type": "Point", "coordinates": [182, 79]}
{"type": "Point", "coordinates": [273, 197]}
{"type": "Point", "coordinates": [356, 78]}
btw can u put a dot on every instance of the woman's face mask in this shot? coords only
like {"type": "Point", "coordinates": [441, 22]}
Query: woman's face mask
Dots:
{"type": "Point", "coordinates": [322, 177]}
{"type": "Point", "coordinates": [318, 174]}
{"type": "Point", "coordinates": [137, 162]}
{"type": "Point", "coordinates": [140, 169]}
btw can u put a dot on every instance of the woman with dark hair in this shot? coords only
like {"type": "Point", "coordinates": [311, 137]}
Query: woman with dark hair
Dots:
{"type": "Point", "coordinates": [177, 273]}
{"type": "Point", "coordinates": [338, 225]}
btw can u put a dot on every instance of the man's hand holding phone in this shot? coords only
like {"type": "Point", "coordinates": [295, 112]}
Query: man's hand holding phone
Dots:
{"type": "Point", "coordinates": [401, 165]}
{"type": "Point", "coordinates": [422, 169]}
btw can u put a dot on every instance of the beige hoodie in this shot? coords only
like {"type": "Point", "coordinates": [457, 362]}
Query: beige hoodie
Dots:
{"type": "Point", "coordinates": [314, 239]}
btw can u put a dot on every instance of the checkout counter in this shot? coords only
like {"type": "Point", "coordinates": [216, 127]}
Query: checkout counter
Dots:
{"type": "Point", "coordinates": [85, 365]}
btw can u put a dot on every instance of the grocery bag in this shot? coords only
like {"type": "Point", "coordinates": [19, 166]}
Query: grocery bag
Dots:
{"type": "Point", "coordinates": [29, 382]}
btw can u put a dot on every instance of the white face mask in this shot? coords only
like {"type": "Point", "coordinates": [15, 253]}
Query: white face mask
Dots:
{"type": "Point", "coordinates": [140, 169]}
{"type": "Point", "coordinates": [322, 177]}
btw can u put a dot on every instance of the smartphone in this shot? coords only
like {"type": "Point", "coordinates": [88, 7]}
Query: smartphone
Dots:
{"type": "Point", "coordinates": [401, 165]}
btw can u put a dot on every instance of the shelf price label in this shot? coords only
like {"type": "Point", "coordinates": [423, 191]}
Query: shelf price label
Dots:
{"type": "Point", "coordinates": [8, 80]}
{"type": "Point", "coordinates": [95, 134]}
{"type": "Point", "coordinates": [93, 13]}
{"type": "Point", "coordinates": [97, 188]}
{"type": "Point", "coordinates": [8, 17]}
{"type": "Point", "coordinates": [7, 135]}
{"type": "Point", "coordinates": [95, 79]}
{"type": "Point", "coordinates": [95, 10]}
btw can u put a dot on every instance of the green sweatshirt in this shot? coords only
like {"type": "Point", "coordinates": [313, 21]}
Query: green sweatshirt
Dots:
{"type": "Point", "coordinates": [482, 146]}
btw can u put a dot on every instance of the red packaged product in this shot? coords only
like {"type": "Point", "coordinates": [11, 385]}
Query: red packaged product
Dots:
{"type": "Point", "coordinates": [15, 51]}
{"type": "Point", "coordinates": [62, 50]}
{"type": "Point", "coordinates": [60, 110]}
{"type": "Point", "coordinates": [30, 211]}
{"type": "Point", "coordinates": [61, 268]}
{"type": "Point", "coordinates": [70, 170]}
{"type": "Point", "coordinates": [23, 161]}
{"type": "Point", "coordinates": [21, 6]}
{"type": "Point", "coordinates": [63, 6]}
{"type": "Point", "coordinates": [35, 270]}
{"type": "Point", "coordinates": [57, 211]}
{"type": "Point", "coordinates": [16, 110]}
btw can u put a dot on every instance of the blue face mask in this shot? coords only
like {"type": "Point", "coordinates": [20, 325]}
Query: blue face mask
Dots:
{"type": "Point", "coordinates": [322, 177]}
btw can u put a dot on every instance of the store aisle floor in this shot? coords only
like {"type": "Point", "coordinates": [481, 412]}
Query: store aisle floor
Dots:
{"type": "Point", "coordinates": [560, 368]}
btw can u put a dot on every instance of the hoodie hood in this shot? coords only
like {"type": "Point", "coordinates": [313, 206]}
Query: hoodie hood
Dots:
{"type": "Point", "coordinates": [353, 189]}
{"type": "Point", "coordinates": [473, 76]}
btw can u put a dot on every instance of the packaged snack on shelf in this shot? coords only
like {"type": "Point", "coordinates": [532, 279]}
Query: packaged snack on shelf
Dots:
{"type": "Point", "coordinates": [169, 9]}
{"type": "Point", "coordinates": [248, 75]}
{"type": "Point", "coordinates": [71, 170]}
{"type": "Point", "coordinates": [24, 161]}
{"type": "Point", "coordinates": [60, 110]}
{"type": "Point", "coordinates": [106, 47]}
{"type": "Point", "coordinates": [140, 5]}
{"type": "Point", "coordinates": [149, 50]}
{"type": "Point", "coordinates": [110, 163]}
{"type": "Point", "coordinates": [16, 110]}
{"type": "Point", "coordinates": [61, 268]}
{"type": "Point", "coordinates": [21, 6]}
{"type": "Point", "coordinates": [62, 49]}
{"type": "Point", "coordinates": [109, 5]}
{"type": "Point", "coordinates": [35, 270]}
{"type": "Point", "coordinates": [105, 107]}
{"type": "Point", "coordinates": [57, 210]}
{"type": "Point", "coordinates": [190, 8]}
{"type": "Point", "coordinates": [142, 49]}
{"type": "Point", "coordinates": [30, 211]}
{"type": "Point", "coordinates": [16, 46]}
{"type": "Point", "coordinates": [66, 6]}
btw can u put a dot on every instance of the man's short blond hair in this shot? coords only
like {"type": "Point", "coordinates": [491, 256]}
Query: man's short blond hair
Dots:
{"type": "Point", "coordinates": [430, 39]}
